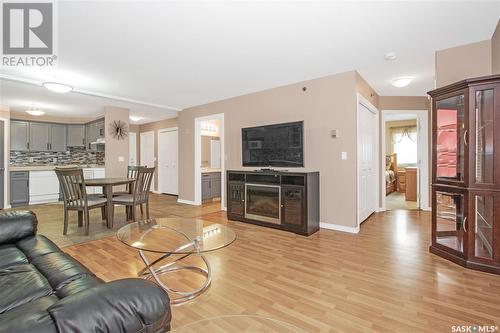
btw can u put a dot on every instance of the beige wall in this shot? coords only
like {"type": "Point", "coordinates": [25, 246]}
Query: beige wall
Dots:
{"type": "Point", "coordinates": [365, 90]}
{"type": "Point", "coordinates": [328, 103]}
{"type": "Point", "coordinates": [116, 151]}
{"type": "Point", "coordinates": [404, 103]}
{"type": "Point", "coordinates": [495, 50]}
{"type": "Point", "coordinates": [462, 62]}
{"type": "Point", "coordinates": [154, 126]}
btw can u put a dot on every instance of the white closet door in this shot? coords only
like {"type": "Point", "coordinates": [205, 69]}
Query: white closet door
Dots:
{"type": "Point", "coordinates": [168, 156]}
{"type": "Point", "coordinates": [147, 149]}
{"type": "Point", "coordinates": [132, 148]}
{"type": "Point", "coordinates": [367, 186]}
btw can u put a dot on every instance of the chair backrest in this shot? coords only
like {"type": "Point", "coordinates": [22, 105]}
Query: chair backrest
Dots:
{"type": "Point", "coordinates": [132, 173]}
{"type": "Point", "coordinates": [73, 186]}
{"type": "Point", "coordinates": [142, 184]}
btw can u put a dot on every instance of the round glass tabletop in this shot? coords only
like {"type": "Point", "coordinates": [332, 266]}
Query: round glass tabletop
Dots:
{"type": "Point", "coordinates": [176, 235]}
{"type": "Point", "coordinates": [239, 323]}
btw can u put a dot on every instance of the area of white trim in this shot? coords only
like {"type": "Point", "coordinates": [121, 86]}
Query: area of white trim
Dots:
{"type": "Point", "coordinates": [168, 129]}
{"type": "Point", "coordinates": [187, 202]}
{"type": "Point", "coordinates": [423, 172]}
{"type": "Point", "coordinates": [6, 159]}
{"type": "Point", "coordinates": [360, 100]}
{"type": "Point", "coordinates": [343, 228]}
{"type": "Point", "coordinates": [91, 93]}
{"type": "Point", "coordinates": [197, 158]}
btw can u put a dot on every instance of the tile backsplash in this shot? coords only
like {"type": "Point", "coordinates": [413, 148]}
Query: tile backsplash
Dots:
{"type": "Point", "coordinates": [73, 155]}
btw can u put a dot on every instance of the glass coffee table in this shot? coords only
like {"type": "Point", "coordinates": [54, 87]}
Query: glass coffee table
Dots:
{"type": "Point", "coordinates": [174, 240]}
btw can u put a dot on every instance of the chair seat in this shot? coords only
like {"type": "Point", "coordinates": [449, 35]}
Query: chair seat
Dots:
{"type": "Point", "coordinates": [115, 194]}
{"type": "Point", "coordinates": [94, 201]}
{"type": "Point", "coordinates": [124, 199]}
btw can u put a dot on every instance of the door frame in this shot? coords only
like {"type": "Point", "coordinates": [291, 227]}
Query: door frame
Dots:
{"type": "Point", "coordinates": [423, 197]}
{"type": "Point", "coordinates": [197, 158]}
{"type": "Point", "coordinates": [6, 158]}
{"type": "Point", "coordinates": [168, 129]}
{"type": "Point", "coordinates": [135, 149]}
{"type": "Point", "coordinates": [360, 100]}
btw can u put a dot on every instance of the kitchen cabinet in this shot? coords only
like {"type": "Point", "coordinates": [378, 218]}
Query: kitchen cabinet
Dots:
{"type": "Point", "coordinates": [210, 185]}
{"type": "Point", "coordinates": [76, 136]}
{"type": "Point", "coordinates": [94, 130]}
{"type": "Point", "coordinates": [19, 135]}
{"type": "Point", "coordinates": [39, 136]}
{"type": "Point", "coordinates": [19, 188]}
{"type": "Point", "coordinates": [57, 137]}
{"type": "Point", "coordinates": [466, 184]}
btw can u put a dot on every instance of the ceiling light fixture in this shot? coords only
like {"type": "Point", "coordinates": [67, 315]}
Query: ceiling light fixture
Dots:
{"type": "Point", "coordinates": [35, 112]}
{"type": "Point", "coordinates": [57, 87]}
{"type": "Point", "coordinates": [135, 118]}
{"type": "Point", "coordinates": [401, 82]}
{"type": "Point", "coordinates": [390, 56]}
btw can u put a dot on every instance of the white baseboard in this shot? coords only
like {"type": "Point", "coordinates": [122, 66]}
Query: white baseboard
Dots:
{"type": "Point", "coordinates": [7, 206]}
{"type": "Point", "coordinates": [352, 230]}
{"type": "Point", "coordinates": [187, 202]}
{"type": "Point", "coordinates": [427, 209]}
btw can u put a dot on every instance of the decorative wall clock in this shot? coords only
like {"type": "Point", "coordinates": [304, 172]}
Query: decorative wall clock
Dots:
{"type": "Point", "coordinates": [118, 129]}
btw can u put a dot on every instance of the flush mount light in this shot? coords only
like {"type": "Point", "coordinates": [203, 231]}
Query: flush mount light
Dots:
{"type": "Point", "coordinates": [401, 82]}
{"type": "Point", "coordinates": [390, 56]}
{"type": "Point", "coordinates": [57, 87]}
{"type": "Point", "coordinates": [35, 112]}
{"type": "Point", "coordinates": [135, 118]}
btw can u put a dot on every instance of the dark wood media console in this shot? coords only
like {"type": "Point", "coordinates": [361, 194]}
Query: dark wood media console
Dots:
{"type": "Point", "coordinates": [281, 200]}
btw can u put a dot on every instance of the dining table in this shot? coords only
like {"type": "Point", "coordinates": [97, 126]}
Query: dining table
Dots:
{"type": "Point", "coordinates": [107, 184]}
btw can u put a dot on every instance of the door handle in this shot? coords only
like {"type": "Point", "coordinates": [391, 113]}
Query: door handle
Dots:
{"type": "Point", "coordinates": [465, 137]}
{"type": "Point", "coordinates": [464, 224]}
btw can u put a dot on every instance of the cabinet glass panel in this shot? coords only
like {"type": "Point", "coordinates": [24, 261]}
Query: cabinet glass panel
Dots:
{"type": "Point", "coordinates": [450, 138]}
{"type": "Point", "coordinates": [449, 220]}
{"type": "Point", "coordinates": [484, 136]}
{"type": "Point", "coordinates": [483, 231]}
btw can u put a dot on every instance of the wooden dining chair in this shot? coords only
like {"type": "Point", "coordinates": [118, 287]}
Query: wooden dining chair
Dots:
{"type": "Point", "coordinates": [140, 192]}
{"type": "Point", "coordinates": [131, 173]}
{"type": "Point", "coordinates": [75, 196]}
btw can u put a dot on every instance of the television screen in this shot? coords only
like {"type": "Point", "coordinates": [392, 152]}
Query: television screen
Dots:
{"type": "Point", "coordinates": [279, 145]}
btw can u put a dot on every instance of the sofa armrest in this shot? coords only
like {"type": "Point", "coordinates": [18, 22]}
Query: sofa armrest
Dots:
{"type": "Point", "coordinates": [129, 305]}
{"type": "Point", "coordinates": [16, 225]}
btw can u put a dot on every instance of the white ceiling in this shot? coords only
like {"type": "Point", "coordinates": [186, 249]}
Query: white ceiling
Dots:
{"type": "Point", "coordinates": [184, 53]}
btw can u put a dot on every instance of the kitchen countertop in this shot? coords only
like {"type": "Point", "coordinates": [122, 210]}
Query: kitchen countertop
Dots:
{"type": "Point", "coordinates": [209, 170]}
{"type": "Point", "coordinates": [50, 167]}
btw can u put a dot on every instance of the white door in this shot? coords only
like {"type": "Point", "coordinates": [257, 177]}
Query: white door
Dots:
{"type": "Point", "coordinates": [132, 148]}
{"type": "Point", "coordinates": [168, 142]}
{"type": "Point", "coordinates": [367, 186]}
{"type": "Point", "coordinates": [147, 149]}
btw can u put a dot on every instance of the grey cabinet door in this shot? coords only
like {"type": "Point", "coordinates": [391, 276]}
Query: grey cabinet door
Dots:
{"type": "Point", "coordinates": [39, 136]}
{"type": "Point", "coordinates": [19, 188]}
{"type": "Point", "coordinates": [19, 135]}
{"type": "Point", "coordinates": [100, 128]}
{"type": "Point", "coordinates": [91, 135]}
{"type": "Point", "coordinates": [76, 136]}
{"type": "Point", "coordinates": [57, 137]}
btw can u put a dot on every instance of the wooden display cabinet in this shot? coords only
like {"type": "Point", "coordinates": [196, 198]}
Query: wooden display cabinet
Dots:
{"type": "Point", "coordinates": [465, 183]}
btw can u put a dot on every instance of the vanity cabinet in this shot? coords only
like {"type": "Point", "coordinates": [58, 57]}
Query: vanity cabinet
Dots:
{"type": "Point", "coordinates": [210, 185]}
{"type": "Point", "coordinates": [465, 182]}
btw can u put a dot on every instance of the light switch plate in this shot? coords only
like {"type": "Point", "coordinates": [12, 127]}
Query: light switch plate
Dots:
{"type": "Point", "coordinates": [344, 155]}
{"type": "Point", "coordinates": [121, 159]}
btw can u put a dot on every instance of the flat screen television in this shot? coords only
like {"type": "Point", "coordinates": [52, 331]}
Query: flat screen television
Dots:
{"type": "Point", "coordinates": [278, 145]}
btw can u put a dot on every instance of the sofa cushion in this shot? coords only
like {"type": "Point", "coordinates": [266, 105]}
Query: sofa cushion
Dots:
{"type": "Point", "coordinates": [16, 225]}
{"type": "Point", "coordinates": [10, 255]}
{"type": "Point", "coordinates": [21, 284]}
{"type": "Point", "coordinates": [41, 304]}
{"type": "Point", "coordinates": [29, 322]}
{"type": "Point", "coordinates": [81, 284]}
{"type": "Point", "coordinates": [36, 246]}
{"type": "Point", "coordinates": [59, 269]}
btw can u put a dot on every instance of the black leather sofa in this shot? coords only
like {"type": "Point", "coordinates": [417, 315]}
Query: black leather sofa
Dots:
{"type": "Point", "coordinates": [43, 289]}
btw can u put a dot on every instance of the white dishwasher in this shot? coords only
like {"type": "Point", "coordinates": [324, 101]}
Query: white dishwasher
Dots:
{"type": "Point", "coordinates": [44, 187]}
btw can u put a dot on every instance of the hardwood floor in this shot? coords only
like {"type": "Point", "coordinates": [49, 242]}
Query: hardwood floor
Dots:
{"type": "Point", "coordinates": [380, 280]}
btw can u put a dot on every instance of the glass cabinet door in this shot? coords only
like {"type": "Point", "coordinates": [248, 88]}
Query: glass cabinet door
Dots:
{"type": "Point", "coordinates": [450, 220]}
{"type": "Point", "coordinates": [483, 227]}
{"type": "Point", "coordinates": [484, 136]}
{"type": "Point", "coordinates": [450, 136]}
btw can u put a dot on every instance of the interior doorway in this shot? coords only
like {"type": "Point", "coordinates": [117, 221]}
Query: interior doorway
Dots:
{"type": "Point", "coordinates": [147, 149]}
{"type": "Point", "coordinates": [405, 172]}
{"type": "Point", "coordinates": [209, 159]}
{"type": "Point", "coordinates": [168, 157]}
